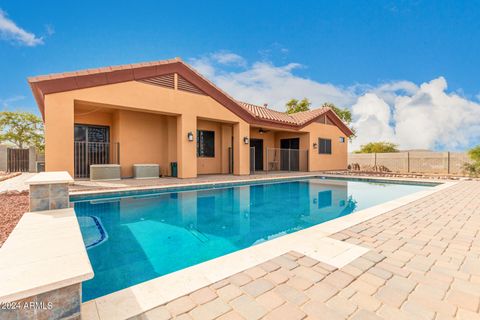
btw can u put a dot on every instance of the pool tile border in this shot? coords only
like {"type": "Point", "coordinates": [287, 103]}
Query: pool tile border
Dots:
{"type": "Point", "coordinates": [133, 191]}
{"type": "Point", "coordinates": [313, 241]}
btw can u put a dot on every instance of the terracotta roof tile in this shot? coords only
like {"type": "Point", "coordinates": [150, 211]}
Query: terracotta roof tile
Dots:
{"type": "Point", "coordinates": [298, 119]}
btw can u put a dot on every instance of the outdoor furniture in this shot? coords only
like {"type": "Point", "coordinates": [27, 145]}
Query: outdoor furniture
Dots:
{"type": "Point", "coordinates": [104, 172]}
{"type": "Point", "coordinates": [146, 171]}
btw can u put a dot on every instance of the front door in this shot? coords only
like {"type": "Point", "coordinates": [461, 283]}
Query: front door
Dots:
{"type": "Point", "coordinates": [91, 147]}
{"type": "Point", "coordinates": [289, 154]}
{"type": "Point", "coordinates": [257, 144]}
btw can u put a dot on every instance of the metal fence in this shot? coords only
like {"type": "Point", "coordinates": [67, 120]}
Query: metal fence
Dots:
{"type": "Point", "coordinates": [411, 162]}
{"type": "Point", "coordinates": [278, 159]}
{"type": "Point", "coordinates": [88, 153]}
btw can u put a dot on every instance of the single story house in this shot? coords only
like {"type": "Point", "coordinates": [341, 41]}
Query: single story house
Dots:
{"type": "Point", "coordinates": [165, 112]}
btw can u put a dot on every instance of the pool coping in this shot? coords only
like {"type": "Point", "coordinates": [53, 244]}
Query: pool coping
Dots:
{"type": "Point", "coordinates": [56, 255]}
{"type": "Point", "coordinates": [313, 241]}
{"type": "Point", "coordinates": [225, 183]}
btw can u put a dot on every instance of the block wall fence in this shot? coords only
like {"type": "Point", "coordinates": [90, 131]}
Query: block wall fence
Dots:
{"type": "Point", "coordinates": [412, 162]}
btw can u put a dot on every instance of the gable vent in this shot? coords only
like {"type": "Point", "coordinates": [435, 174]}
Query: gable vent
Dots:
{"type": "Point", "coordinates": [185, 85]}
{"type": "Point", "coordinates": [325, 120]}
{"type": "Point", "coordinates": [166, 80]}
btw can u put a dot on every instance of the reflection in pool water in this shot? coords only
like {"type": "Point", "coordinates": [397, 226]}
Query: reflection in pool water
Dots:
{"type": "Point", "coordinates": [155, 234]}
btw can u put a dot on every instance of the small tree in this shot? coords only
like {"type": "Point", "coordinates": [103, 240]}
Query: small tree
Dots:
{"type": "Point", "coordinates": [377, 147]}
{"type": "Point", "coordinates": [473, 168]}
{"type": "Point", "coordinates": [23, 129]}
{"type": "Point", "coordinates": [294, 105]}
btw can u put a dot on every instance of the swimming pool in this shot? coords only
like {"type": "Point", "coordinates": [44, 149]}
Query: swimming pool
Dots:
{"type": "Point", "coordinates": [133, 238]}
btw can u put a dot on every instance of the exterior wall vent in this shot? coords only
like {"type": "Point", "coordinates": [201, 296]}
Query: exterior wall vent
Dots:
{"type": "Point", "coordinates": [185, 85]}
{"type": "Point", "coordinates": [166, 80]}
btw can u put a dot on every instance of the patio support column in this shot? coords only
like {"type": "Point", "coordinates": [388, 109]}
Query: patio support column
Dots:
{"type": "Point", "coordinates": [59, 136]}
{"type": "Point", "coordinates": [241, 151]}
{"type": "Point", "coordinates": [186, 150]}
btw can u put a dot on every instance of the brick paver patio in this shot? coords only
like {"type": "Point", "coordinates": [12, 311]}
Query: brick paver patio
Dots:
{"type": "Point", "coordinates": [424, 263]}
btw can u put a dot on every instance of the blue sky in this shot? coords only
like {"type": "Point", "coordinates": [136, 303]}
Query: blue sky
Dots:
{"type": "Point", "coordinates": [355, 47]}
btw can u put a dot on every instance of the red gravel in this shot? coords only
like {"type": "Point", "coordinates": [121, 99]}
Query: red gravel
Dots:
{"type": "Point", "coordinates": [12, 207]}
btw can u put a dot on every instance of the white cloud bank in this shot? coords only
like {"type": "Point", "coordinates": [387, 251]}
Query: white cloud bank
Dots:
{"type": "Point", "coordinates": [10, 31]}
{"type": "Point", "coordinates": [414, 117]}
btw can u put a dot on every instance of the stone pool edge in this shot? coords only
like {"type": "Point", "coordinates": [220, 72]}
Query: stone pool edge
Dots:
{"type": "Point", "coordinates": [313, 241]}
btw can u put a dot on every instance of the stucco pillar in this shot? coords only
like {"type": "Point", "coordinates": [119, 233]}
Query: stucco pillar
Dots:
{"type": "Point", "coordinates": [186, 150]}
{"type": "Point", "coordinates": [241, 151]}
{"type": "Point", "coordinates": [32, 159]}
{"type": "Point", "coordinates": [59, 135]}
{"type": "Point", "coordinates": [3, 158]}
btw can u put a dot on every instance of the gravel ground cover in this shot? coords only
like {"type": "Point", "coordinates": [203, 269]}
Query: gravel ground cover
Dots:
{"type": "Point", "coordinates": [12, 207]}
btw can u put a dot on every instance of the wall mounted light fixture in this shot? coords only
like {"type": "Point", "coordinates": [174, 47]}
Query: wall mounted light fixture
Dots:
{"type": "Point", "coordinates": [190, 136]}
{"type": "Point", "coordinates": [314, 145]}
{"type": "Point", "coordinates": [245, 140]}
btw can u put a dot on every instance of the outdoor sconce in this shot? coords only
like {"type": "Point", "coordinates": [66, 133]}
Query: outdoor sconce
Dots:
{"type": "Point", "coordinates": [314, 145]}
{"type": "Point", "coordinates": [190, 136]}
{"type": "Point", "coordinates": [245, 140]}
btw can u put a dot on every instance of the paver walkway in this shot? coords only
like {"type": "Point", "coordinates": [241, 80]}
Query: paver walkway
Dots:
{"type": "Point", "coordinates": [16, 183]}
{"type": "Point", "coordinates": [424, 264]}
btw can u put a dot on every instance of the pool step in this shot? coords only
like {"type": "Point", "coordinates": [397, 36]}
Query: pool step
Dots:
{"type": "Point", "coordinates": [197, 234]}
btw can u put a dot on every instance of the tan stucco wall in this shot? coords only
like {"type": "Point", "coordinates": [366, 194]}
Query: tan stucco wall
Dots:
{"type": "Point", "coordinates": [206, 165]}
{"type": "Point", "coordinates": [143, 139]}
{"type": "Point", "coordinates": [93, 116]}
{"type": "Point", "coordinates": [335, 161]}
{"type": "Point", "coordinates": [135, 96]}
{"type": "Point", "coordinates": [308, 135]}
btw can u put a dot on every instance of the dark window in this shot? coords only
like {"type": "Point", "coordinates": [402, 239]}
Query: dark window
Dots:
{"type": "Point", "coordinates": [324, 199]}
{"type": "Point", "coordinates": [324, 146]}
{"type": "Point", "coordinates": [205, 143]}
{"type": "Point", "coordinates": [342, 139]}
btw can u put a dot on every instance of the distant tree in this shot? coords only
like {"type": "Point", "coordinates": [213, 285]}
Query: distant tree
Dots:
{"type": "Point", "coordinates": [23, 129]}
{"type": "Point", "coordinates": [473, 168]}
{"type": "Point", "coordinates": [294, 105]}
{"type": "Point", "coordinates": [378, 147]}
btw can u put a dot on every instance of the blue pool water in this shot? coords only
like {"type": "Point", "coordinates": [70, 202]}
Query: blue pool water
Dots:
{"type": "Point", "coordinates": [132, 239]}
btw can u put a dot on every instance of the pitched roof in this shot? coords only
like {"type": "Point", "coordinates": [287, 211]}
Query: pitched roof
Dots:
{"type": "Point", "coordinates": [299, 119]}
{"type": "Point", "coordinates": [265, 113]}
{"type": "Point", "coordinates": [60, 82]}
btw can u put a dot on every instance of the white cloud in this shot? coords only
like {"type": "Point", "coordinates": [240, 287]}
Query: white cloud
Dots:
{"type": "Point", "coordinates": [229, 58]}
{"type": "Point", "coordinates": [10, 31]}
{"type": "Point", "coordinates": [424, 116]}
{"type": "Point", "coordinates": [263, 82]}
{"type": "Point", "coordinates": [372, 117]}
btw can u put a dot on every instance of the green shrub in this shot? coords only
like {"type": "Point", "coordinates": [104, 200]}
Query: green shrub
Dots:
{"type": "Point", "coordinates": [473, 168]}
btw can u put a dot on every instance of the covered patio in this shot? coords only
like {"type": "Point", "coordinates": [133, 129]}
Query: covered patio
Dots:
{"type": "Point", "coordinates": [114, 135]}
